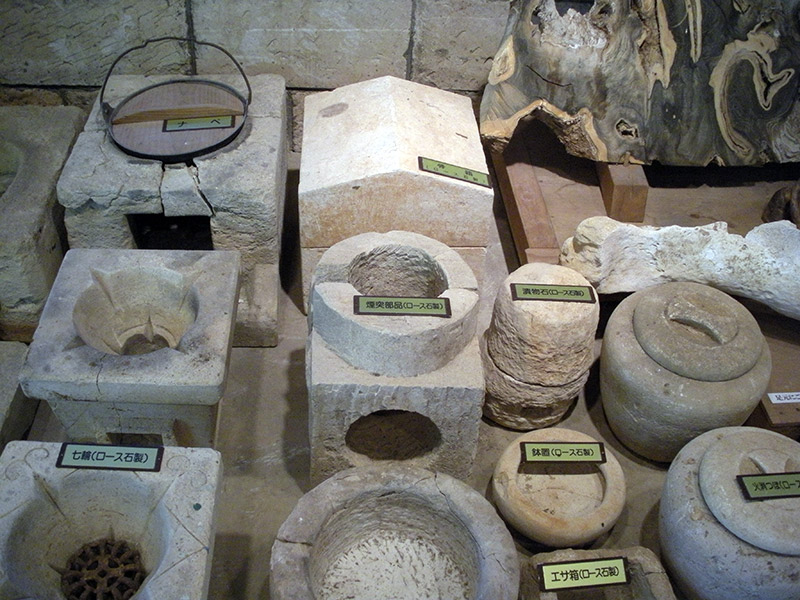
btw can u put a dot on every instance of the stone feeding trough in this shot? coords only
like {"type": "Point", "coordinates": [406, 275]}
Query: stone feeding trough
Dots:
{"type": "Point", "coordinates": [393, 386]}
{"type": "Point", "coordinates": [51, 513]}
{"type": "Point", "coordinates": [136, 342]}
{"type": "Point", "coordinates": [402, 533]}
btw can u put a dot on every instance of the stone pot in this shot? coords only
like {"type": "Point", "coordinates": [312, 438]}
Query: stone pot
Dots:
{"type": "Point", "coordinates": [558, 504]}
{"type": "Point", "coordinates": [715, 543]}
{"type": "Point", "coordinates": [680, 359]}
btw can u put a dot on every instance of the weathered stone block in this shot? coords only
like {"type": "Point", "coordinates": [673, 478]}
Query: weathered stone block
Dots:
{"type": "Point", "coordinates": [34, 143]}
{"type": "Point", "coordinates": [311, 44]}
{"type": "Point", "coordinates": [16, 411]}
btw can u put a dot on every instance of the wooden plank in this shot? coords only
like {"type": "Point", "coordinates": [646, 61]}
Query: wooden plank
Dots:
{"type": "Point", "coordinates": [624, 189]}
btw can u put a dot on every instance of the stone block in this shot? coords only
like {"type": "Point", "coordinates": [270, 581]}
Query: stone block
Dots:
{"type": "Point", "coordinates": [34, 143]}
{"type": "Point", "coordinates": [455, 41]}
{"type": "Point", "coordinates": [311, 44]}
{"type": "Point", "coordinates": [16, 411]}
{"type": "Point", "coordinates": [357, 418]}
{"type": "Point", "coordinates": [74, 43]}
{"type": "Point", "coordinates": [370, 179]}
{"type": "Point", "coordinates": [241, 188]}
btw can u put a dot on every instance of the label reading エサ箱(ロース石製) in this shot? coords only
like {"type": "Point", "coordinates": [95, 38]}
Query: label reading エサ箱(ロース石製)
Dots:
{"type": "Point", "coordinates": [592, 452]}
{"type": "Point", "coordinates": [454, 171]}
{"type": "Point", "coordinates": [402, 306]}
{"type": "Point", "coordinates": [114, 458]}
{"type": "Point", "coordinates": [553, 293]}
{"type": "Point", "coordinates": [767, 486]}
{"type": "Point", "coordinates": [583, 573]}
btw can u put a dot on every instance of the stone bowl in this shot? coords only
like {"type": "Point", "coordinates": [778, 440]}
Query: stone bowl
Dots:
{"type": "Point", "coordinates": [400, 532]}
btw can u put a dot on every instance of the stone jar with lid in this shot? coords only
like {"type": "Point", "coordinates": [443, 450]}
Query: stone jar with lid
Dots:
{"type": "Point", "coordinates": [680, 359]}
{"type": "Point", "coordinates": [715, 542]}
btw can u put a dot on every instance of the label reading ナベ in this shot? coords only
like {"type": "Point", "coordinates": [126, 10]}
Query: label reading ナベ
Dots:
{"type": "Point", "coordinates": [114, 458]}
{"type": "Point", "coordinates": [784, 397]}
{"type": "Point", "coordinates": [557, 293]}
{"type": "Point", "coordinates": [767, 486]}
{"type": "Point", "coordinates": [194, 123]}
{"type": "Point", "coordinates": [402, 306]}
{"type": "Point", "coordinates": [454, 171]}
{"type": "Point", "coordinates": [535, 452]}
{"type": "Point", "coordinates": [583, 573]}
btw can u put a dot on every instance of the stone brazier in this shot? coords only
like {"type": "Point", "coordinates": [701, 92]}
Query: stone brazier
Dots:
{"type": "Point", "coordinates": [717, 544]}
{"type": "Point", "coordinates": [392, 387]}
{"type": "Point", "coordinates": [537, 352]}
{"type": "Point", "coordinates": [398, 532]}
{"type": "Point", "coordinates": [231, 199]}
{"type": "Point", "coordinates": [34, 143]}
{"type": "Point", "coordinates": [16, 411]}
{"type": "Point", "coordinates": [136, 341]}
{"type": "Point", "coordinates": [48, 513]}
{"type": "Point", "coordinates": [558, 504]}
{"type": "Point", "coordinates": [680, 359]}
{"type": "Point", "coordinates": [648, 581]}
{"type": "Point", "coordinates": [370, 178]}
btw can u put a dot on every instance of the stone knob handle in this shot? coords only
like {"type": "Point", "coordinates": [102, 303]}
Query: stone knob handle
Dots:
{"type": "Point", "coordinates": [719, 327]}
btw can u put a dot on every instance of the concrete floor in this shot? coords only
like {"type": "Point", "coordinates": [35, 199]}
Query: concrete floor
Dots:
{"type": "Point", "coordinates": [263, 436]}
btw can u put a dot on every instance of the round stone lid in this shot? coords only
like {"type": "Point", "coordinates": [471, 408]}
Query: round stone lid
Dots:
{"type": "Point", "coordinates": [771, 524]}
{"type": "Point", "coordinates": [697, 331]}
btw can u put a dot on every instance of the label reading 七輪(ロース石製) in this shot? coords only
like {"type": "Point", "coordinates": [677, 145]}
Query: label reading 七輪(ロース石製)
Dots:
{"type": "Point", "coordinates": [454, 171]}
{"type": "Point", "coordinates": [583, 573]}
{"type": "Point", "coordinates": [534, 452]}
{"type": "Point", "coordinates": [402, 306]}
{"type": "Point", "coordinates": [113, 458]}
{"type": "Point", "coordinates": [552, 293]}
{"type": "Point", "coordinates": [767, 486]}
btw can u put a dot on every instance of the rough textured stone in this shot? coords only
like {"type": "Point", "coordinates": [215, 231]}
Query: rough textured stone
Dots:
{"type": "Point", "coordinates": [654, 411]}
{"type": "Point", "coordinates": [142, 332]}
{"type": "Point", "coordinates": [556, 504]}
{"type": "Point", "coordinates": [311, 44]}
{"type": "Point", "coordinates": [49, 513]}
{"type": "Point", "coordinates": [393, 532]}
{"type": "Point", "coordinates": [241, 187]}
{"type": "Point", "coordinates": [704, 558]}
{"type": "Point", "coordinates": [74, 43]}
{"type": "Point", "coordinates": [539, 341]}
{"type": "Point", "coordinates": [617, 257]}
{"type": "Point", "coordinates": [455, 41]}
{"type": "Point", "coordinates": [34, 143]}
{"type": "Point", "coordinates": [16, 411]}
{"type": "Point", "coordinates": [648, 579]}
{"type": "Point", "coordinates": [339, 395]}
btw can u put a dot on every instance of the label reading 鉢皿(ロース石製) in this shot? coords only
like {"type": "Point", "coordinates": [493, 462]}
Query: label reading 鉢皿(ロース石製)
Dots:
{"type": "Point", "coordinates": [784, 397]}
{"type": "Point", "coordinates": [553, 293]}
{"type": "Point", "coordinates": [113, 458]}
{"type": "Point", "coordinates": [195, 123]}
{"type": "Point", "coordinates": [402, 306]}
{"type": "Point", "coordinates": [454, 171]}
{"type": "Point", "coordinates": [535, 452]}
{"type": "Point", "coordinates": [583, 573]}
{"type": "Point", "coordinates": [767, 486]}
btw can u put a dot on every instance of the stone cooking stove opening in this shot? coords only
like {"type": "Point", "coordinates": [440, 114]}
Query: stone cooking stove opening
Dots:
{"type": "Point", "coordinates": [159, 232]}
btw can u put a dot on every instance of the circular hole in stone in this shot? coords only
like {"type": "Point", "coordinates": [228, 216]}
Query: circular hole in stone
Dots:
{"type": "Point", "coordinates": [393, 435]}
{"type": "Point", "coordinates": [396, 270]}
{"type": "Point", "coordinates": [393, 545]}
{"type": "Point", "coordinates": [10, 160]}
{"type": "Point", "coordinates": [135, 311]}
{"type": "Point", "coordinates": [112, 568]}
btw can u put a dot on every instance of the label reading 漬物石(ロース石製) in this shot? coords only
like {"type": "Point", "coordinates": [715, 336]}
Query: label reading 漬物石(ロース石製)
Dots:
{"type": "Point", "coordinates": [784, 397]}
{"type": "Point", "coordinates": [591, 452]}
{"type": "Point", "coordinates": [114, 458]}
{"type": "Point", "coordinates": [583, 573]}
{"type": "Point", "coordinates": [402, 306]}
{"type": "Point", "coordinates": [553, 293]}
{"type": "Point", "coordinates": [454, 171]}
{"type": "Point", "coordinates": [195, 123]}
{"type": "Point", "coordinates": [767, 486]}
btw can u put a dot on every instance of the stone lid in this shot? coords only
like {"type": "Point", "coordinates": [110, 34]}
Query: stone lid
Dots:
{"type": "Point", "coordinates": [774, 524]}
{"type": "Point", "coordinates": [697, 331]}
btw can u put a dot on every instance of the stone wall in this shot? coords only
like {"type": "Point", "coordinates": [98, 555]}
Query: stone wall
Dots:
{"type": "Point", "coordinates": [57, 52]}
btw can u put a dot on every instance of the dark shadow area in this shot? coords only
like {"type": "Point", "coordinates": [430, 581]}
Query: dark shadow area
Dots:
{"type": "Point", "coordinates": [157, 232]}
{"type": "Point", "coordinates": [664, 176]}
{"type": "Point", "coordinates": [290, 241]}
{"type": "Point", "coordinates": [393, 435]}
{"type": "Point", "coordinates": [294, 441]}
{"type": "Point", "coordinates": [230, 567]}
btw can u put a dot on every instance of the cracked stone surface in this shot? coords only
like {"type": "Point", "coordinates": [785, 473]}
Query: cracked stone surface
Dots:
{"type": "Point", "coordinates": [48, 513]}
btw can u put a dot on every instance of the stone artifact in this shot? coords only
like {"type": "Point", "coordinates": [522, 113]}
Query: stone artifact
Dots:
{"type": "Point", "coordinates": [16, 411]}
{"type": "Point", "coordinates": [648, 581]}
{"type": "Point", "coordinates": [231, 199]}
{"type": "Point", "coordinates": [618, 257]}
{"type": "Point", "coordinates": [399, 532]}
{"type": "Point", "coordinates": [136, 342]}
{"type": "Point", "coordinates": [715, 542]}
{"type": "Point", "coordinates": [370, 177]}
{"type": "Point", "coordinates": [784, 205]}
{"type": "Point", "coordinates": [34, 143]}
{"type": "Point", "coordinates": [683, 83]}
{"type": "Point", "coordinates": [48, 514]}
{"type": "Point", "coordinates": [537, 352]}
{"type": "Point", "coordinates": [679, 359]}
{"type": "Point", "coordinates": [397, 387]}
{"type": "Point", "coordinates": [557, 504]}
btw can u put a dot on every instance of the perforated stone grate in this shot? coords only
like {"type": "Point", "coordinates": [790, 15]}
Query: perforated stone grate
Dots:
{"type": "Point", "coordinates": [104, 569]}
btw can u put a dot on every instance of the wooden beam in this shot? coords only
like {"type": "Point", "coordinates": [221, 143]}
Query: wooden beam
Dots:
{"type": "Point", "coordinates": [624, 189]}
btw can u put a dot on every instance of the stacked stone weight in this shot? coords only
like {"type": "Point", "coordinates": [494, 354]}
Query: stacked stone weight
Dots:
{"type": "Point", "coordinates": [537, 353]}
